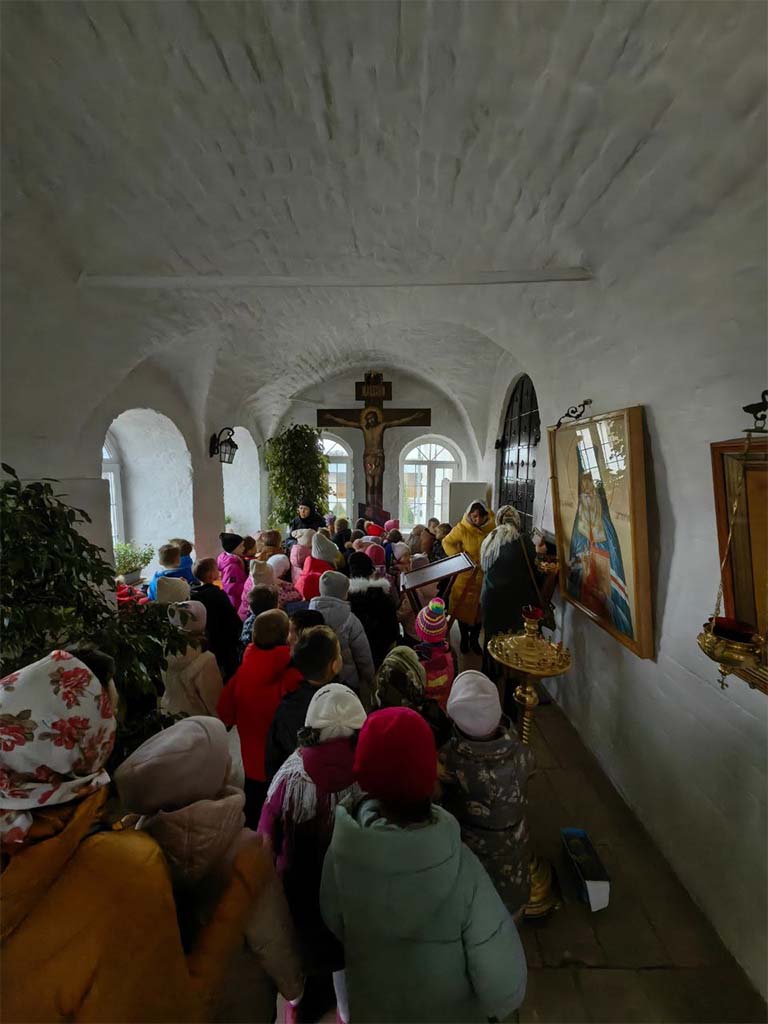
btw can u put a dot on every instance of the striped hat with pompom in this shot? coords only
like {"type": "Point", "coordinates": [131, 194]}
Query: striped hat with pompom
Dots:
{"type": "Point", "coordinates": [431, 625]}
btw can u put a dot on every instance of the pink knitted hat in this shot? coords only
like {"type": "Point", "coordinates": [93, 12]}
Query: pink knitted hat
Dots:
{"type": "Point", "coordinates": [376, 554]}
{"type": "Point", "coordinates": [392, 524]}
{"type": "Point", "coordinates": [431, 625]}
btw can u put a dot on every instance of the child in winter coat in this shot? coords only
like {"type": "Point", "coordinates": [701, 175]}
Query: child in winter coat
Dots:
{"type": "Point", "coordinates": [317, 657]}
{"type": "Point", "coordinates": [251, 698]}
{"type": "Point", "coordinates": [300, 552]}
{"type": "Point", "coordinates": [178, 782]}
{"type": "Point", "coordinates": [261, 598]}
{"type": "Point", "coordinates": [358, 669]}
{"type": "Point", "coordinates": [232, 567]}
{"type": "Point", "coordinates": [299, 811]}
{"type": "Point", "coordinates": [426, 936]}
{"type": "Point", "coordinates": [287, 594]}
{"type": "Point", "coordinates": [258, 572]}
{"type": "Point", "coordinates": [222, 625]}
{"type": "Point", "coordinates": [322, 559]}
{"type": "Point", "coordinates": [185, 561]}
{"type": "Point", "coordinates": [192, 679]}
{"type": "Point", "coordinates": [169, 557]}
{"type": "Point", "coordinates": [484, 775]}
{"type": "Point", "coordinates": [435, 651]}
{"type": "Point", "coordinates": [372, 601]}
{"type": "Point", "coordinates": [269, 545]}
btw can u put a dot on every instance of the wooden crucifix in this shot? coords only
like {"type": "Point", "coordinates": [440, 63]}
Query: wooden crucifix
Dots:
{"type": "Point", "coordinates": [373, 419]}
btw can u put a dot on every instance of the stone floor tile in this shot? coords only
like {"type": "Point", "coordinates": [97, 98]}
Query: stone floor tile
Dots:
{"type": "Point", "coordinates": [689, 938]}
{"type": "Point", "coordinates": [702, 996]}
{"type": "Point", "coordinates": [567, 937]}
{"type": "Point", "coordinates": [553, 998]}
{"type": "Point", "coordinates": [616, 995]}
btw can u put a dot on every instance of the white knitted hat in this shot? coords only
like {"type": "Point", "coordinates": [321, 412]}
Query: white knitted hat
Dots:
{"type": "Point", "coordinates": [280, 564]}
{"type": "Point", "coordinates": [324, 548]}
{"type": "Point", "coordinates": [335, 711]}
{"type": "Point", "coordinates": [474, 704]}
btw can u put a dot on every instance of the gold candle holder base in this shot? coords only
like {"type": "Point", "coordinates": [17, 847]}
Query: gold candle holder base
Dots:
{"type": "Point", "coordinates": [529, 654]}
{"type": "Point", "coordinates": [542, 900]}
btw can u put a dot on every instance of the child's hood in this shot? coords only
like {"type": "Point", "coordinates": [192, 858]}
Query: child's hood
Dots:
{"type": "Point", "coordinates": [330, 765]}
{"type": "Point", "coordinates": [335, 611]}
{"type": "Point", "coordinates": [199, 837]}
{"type": "Point", "coordinates": [407, 875]}
{"type": "Point", "coordinates": [176, 767]}
{"type": "Point", "coordinates": [264, 667]}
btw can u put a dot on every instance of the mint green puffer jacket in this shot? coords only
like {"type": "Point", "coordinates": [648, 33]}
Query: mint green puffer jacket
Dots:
{"type": "Point", "coordinates": [426, 937]}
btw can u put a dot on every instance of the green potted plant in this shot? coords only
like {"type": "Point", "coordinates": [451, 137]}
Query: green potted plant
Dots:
{"type": "Point", "coordinates": [298, 470]}
{"type": "Point", "coordinates": [58, 590]}
{"type": "Point", "coordinates": [131, 558]}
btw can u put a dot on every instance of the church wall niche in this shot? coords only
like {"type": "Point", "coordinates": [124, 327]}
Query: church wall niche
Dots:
{"type": "Point", "coordinates": [242, 488]}
{"type": "Point", "coordinates": [156, 479]}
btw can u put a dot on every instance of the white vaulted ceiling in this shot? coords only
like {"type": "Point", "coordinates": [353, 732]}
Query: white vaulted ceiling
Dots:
{"type": "Point", "coordinates": [363, 141]}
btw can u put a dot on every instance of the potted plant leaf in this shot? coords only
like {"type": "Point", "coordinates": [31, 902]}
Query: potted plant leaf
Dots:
{"type": "Point", "coordinates": [71, 601]}
{"type": "Point", "coordinates": [131, 558]}
{"type": "Point", "coordinates": [298, 471]}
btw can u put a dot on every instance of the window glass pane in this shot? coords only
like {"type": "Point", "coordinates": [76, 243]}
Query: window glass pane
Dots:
{"type": "Point", "coordinates": [414, 496]}
{"type": "Point", "coordinates": [110, 478]}
{"type": "Point", "coordinates": [106, 453]}
{"type": "Point", "coordinates": [338, 486]}
{"type": "Point", "coordinates": [333, 448]}
{"type": "Point", "coordinates": [438, 510]}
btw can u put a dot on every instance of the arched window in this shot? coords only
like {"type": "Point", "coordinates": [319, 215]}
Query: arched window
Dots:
{"type": "Point", "coordinates": [517, 465]}
{"type": "Point", "coordinates": [110, 471]}
{"type": "Point", "coordinates": [339, 458]}
{"type": "Point", "coordinates": [424, 468]}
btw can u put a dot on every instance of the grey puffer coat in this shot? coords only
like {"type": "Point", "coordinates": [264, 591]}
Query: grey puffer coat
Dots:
{"type": "Point", "coordinates": [484, 787]}
{"type": "Point", "coordinates": [358, 670]}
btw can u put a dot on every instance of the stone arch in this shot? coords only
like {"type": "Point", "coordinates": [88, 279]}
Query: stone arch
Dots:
{"type": "Point", "coordinates": [156, 476]}
{"type": "Point", "coordinates": [242, 488]}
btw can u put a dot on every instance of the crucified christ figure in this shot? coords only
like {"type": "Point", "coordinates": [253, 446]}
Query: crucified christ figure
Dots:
{"type": "Point", "coordinates": [373, 423]}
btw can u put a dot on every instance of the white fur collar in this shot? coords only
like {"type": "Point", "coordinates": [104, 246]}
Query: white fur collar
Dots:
{"type": "Point", "coordinates": [359, 584]}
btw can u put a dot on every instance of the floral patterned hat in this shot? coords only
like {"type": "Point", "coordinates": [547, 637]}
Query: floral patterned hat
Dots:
{"type": "Point", "coordinates": [57, 728]}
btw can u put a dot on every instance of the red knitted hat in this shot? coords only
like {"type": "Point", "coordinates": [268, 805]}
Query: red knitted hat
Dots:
{"type": "Point", "coordinates": [431, 624]}
{"type": "Point", "coordinates": [374, 530]}
{"type": "Point", "coordinates": [396, 757]}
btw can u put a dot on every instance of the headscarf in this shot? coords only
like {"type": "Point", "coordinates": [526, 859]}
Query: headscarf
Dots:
{"type": "Point", "coordinates": [335, 712]}
{"type": "Point", "coordinates": [506, 531]}
{"type": "Point", "coordinates": [194, 618]}
{"type": "Point", "coordinates": [483, 505]}
{"type": "Point", "coordinates": [262, 572]}
{"type": "Point", "coordinates": [401, 679]}
{"type": "Point", "coordinates": [57, 729]}
{"type": "Point", "coordinates": [279, 564]}
{"type": "Point", "coordinates": [324, 548]}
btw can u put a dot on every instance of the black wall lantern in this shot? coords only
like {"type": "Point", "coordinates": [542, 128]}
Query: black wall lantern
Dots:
{"type": "Point", "coordinates": [223, 445]}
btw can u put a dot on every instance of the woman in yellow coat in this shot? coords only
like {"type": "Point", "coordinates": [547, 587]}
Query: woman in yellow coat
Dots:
{"type": "Point", "coordinates": [468, 536]}
{"type": "Point", "coordinates": [89, 927]}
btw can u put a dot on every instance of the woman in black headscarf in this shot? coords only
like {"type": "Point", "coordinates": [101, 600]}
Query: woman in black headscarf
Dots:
{"type": "Point", "coordinates": [308, 518]}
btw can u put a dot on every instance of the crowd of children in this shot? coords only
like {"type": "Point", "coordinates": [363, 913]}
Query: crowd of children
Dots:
{"type": "Point", "coordinates": [389, 791]}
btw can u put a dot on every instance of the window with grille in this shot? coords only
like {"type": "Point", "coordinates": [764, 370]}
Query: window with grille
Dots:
{"type": "Point", "coordinates": [339, 458]}
{"type": "Point", "coordinates": [519, 440]}
{"type": "Point", "coordinates": [425, 467]}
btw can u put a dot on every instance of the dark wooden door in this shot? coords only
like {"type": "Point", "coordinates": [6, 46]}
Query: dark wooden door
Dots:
{"type": "Point", "coordinates": [517, 466]}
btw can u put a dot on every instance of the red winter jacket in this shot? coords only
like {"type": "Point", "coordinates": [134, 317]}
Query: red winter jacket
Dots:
{"type": "Point", "coordinates": [308, 584]}
{"type": "Point", "coordinates": [250, 700]}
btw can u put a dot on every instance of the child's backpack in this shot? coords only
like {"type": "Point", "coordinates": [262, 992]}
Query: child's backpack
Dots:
{"type": "Point", "coordinates": [437, 660]}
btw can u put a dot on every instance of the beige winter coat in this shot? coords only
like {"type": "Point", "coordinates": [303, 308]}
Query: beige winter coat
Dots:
{"type": "Point", "coordinates": [193, 683]}
{"type": "Point", "coordinates": [201, 834]}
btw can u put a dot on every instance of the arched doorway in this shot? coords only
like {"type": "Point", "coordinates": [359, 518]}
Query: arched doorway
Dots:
{"type": "Point", "coordinates": [519, 440]}
{"type": "Point", "coordinates": [424, 465]}
{"type": "Point", "coordinates": [155, 473]}
{"type": "Point", "coordinates": [242, 490]}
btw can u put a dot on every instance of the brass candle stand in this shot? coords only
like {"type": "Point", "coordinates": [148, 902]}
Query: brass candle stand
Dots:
{"type": "Point", "coordinates": [535, 657]}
